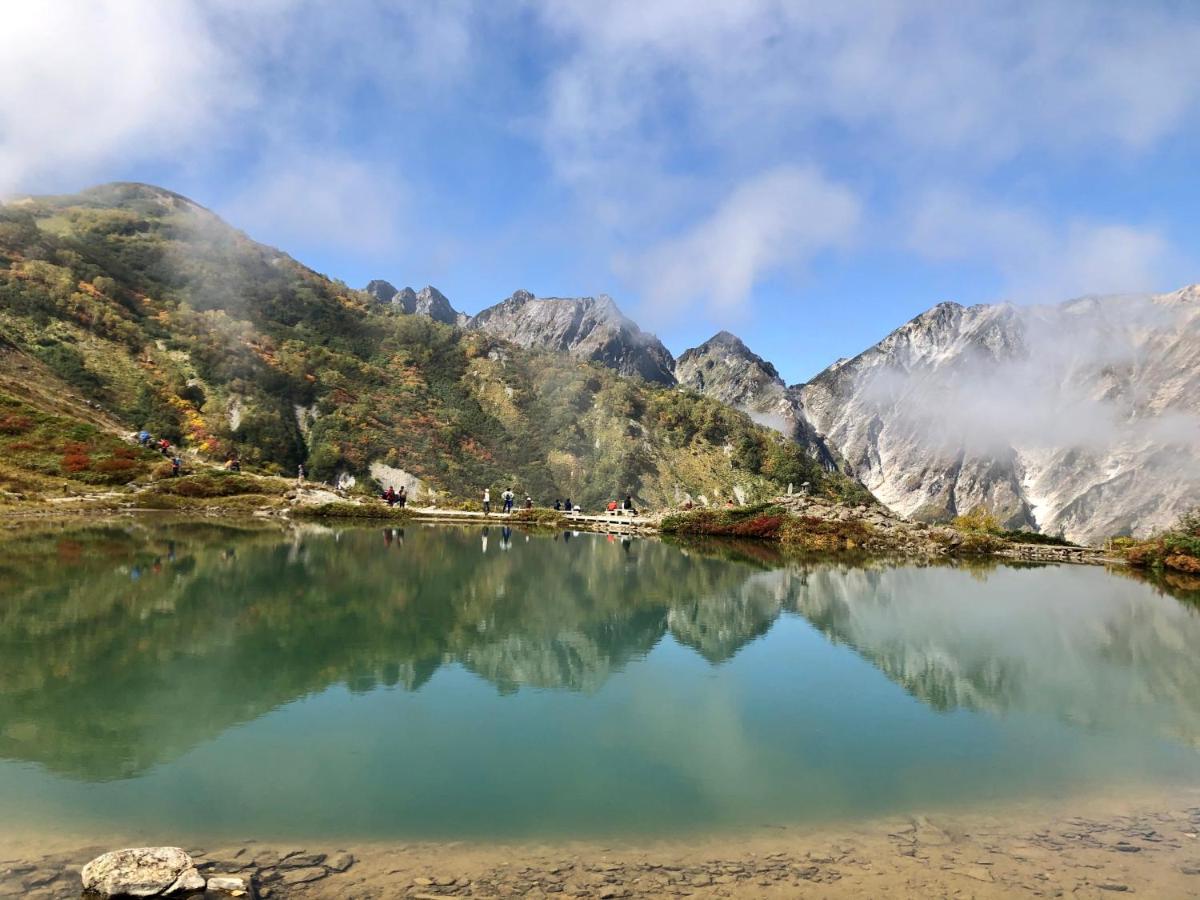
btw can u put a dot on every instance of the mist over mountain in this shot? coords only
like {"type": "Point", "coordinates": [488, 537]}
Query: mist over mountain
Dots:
{"type": "Point", "coordinates": [1081, 419]}
{"type": "Point", "coordinates": [128, 306]}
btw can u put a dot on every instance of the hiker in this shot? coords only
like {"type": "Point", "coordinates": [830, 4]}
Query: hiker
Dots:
{"type": "Point", "coordinates": [164, 446]}
{"type": "Point", "coordinates": [508, 497]}
{"type": "Point", "coordinates": [144, 438]}
{"type": "Point", "coordinates": [628, 505]}
{"type": "Point", "coordinates": [487, 508]}
{"type": "Point", "coordinates": [567, 505]}
{"type": "Point", "coordinates": [612, 506]}
{"type": "Point", "coordinates": [402, 497]}
{"type": "Point", "coordinates": [300, 474]}
{"type": "Point", "coordinates": [528, 502]}
{"type": "Point", "coordinates": [176, 466]}
{"type": "Point", "coordinates": [390, 496]}
{"type": "Point", "coordinates": [557, 505]}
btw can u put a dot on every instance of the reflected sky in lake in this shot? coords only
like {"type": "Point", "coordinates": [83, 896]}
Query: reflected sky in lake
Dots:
{"type": "Point", "coordinates": [438, 682]}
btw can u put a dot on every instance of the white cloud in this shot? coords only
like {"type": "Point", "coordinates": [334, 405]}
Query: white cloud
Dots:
{"type": "Point", "coordinates": [86, 83]}
{"type": "Point", "coordinates": [649, 95]}
{"type": "Point", "coordinates": [991, 81]}
{"type": "Point", "coordinates": [1040, 260]}
{"type": "Point", "coordinates": [782, 217]}
{"type": "Point", "coordinates": [310, 201]}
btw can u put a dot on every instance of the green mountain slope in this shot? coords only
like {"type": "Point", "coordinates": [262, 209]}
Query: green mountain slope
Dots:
{"type": "Point", "coordinates": [128, 306]}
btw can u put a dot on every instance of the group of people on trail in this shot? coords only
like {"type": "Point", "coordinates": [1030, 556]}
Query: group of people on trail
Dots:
{"type": "Point", "coordinates": [163, 446]}
{"type": "Point", "coordinates": [626, 505]}
{"type": "Point", "coordinates": [507, 498]}
{"type": "Point", "coordinates": [392, 497]}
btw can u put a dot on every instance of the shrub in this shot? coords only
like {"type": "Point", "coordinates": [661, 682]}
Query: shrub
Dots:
{"type": "Point", "coordinates": [978, 520]}
{"type": "Point", "coordinates": [1177, 549]}
{"type": "Point", "coordinates": [811, 533]}
{"type": "Point", "coordinates": [115, 465]}
{"type": "Point", "coordinates": [340, 510]}
{"type": "Point", "coordinates": [74, 462]}
{"type": "Point", "coordinates": [214, 484]}
{"type": "Point", "coordinates": [760, 521]}
{"type": "Point", "coordinates": [14, 424]}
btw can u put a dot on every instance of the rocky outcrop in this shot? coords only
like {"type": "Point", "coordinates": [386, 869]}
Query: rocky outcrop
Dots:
{"type": "Point", "coordinates": [428, 301]}
{"type": "Point", "coordinates": [724, 368]}
{"type": "Point", "coordinates": [1081, 419]}
{"type": "Point", "coordinates": [591, 328]}
{"type": "Point", "coordinates": [143, 872]}
{"type": "Point", "coordinates": [382, 291]}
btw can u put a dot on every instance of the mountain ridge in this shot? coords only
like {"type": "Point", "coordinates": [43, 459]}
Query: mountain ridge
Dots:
{"type": "Point", "coordinates": [155, 314]}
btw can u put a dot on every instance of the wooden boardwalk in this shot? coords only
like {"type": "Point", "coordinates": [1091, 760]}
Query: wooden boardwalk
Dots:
{"type": "Point", "coordinates": [592, 522]}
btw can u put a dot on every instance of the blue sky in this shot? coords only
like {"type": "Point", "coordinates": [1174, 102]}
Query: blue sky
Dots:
{"type": "Point", "coordinates": [806, 177]}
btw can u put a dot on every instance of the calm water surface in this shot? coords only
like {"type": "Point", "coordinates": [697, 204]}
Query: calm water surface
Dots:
{"type": "Point", "coordinates": [439, 682]}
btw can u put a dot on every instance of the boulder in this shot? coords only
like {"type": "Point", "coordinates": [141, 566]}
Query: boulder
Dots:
{"type": "Point", "coordinates": [229, 884]}
{"type": "Point", "coordinates": [142, 872]}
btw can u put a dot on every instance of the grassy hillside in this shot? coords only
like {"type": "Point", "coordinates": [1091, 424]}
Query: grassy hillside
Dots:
{"type": "Point", "coordinates": [127, 306]}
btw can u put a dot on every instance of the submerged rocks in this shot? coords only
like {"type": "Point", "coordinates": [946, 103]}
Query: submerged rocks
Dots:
{"type": "Point", "coordinates": [142, 872]}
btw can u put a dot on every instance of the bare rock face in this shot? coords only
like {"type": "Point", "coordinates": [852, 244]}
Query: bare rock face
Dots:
{"type": "Point", "coordinates": [724, 368]}
{"type": "Point", "coordinates": [428, 301]}
{"type": "Point", "coordinates": [1080, 419]}
{"type": "Point", "coordinates": [142, 872]}
{"type": "Point", "coordinates": [585, 327]}
{"type": "Point", "coordinates": [381, 290]}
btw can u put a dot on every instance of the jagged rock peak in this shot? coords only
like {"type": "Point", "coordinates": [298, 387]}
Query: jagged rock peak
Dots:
{"type": "Point", "coordinates": [724, 368]}
{"type": "Point", "coordinates": [734, 350]}
{"type": "Point", "coordinates": [585, 327]}
{"type": "Point", "coordinates": [381, 290]}
{"type": "Point", "coordinates": [428, 301]}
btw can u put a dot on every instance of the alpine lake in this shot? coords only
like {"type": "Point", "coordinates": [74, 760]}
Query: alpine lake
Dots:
{"type": "Point", "coordinates": [200, 682]}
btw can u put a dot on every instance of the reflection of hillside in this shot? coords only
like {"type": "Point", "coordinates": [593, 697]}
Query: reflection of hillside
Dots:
{"type": "Point", "coordinates": [1069, 642]}
{"type": "Point", "coordinates": [717, 625]}
{"type": "Point", "coordinates": [132, 647]}
{"type": "Point", "coordinates": [124, 647]}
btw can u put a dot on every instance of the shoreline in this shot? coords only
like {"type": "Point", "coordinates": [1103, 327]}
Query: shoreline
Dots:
{"type": "Point", "coordinates": [898, 537]}
{"type": "Point", "coordinates": [1141, 842]}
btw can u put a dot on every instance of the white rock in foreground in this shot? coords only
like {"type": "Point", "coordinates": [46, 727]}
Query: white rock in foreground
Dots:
{"type": "Point", "coordinates": [229, 884]}
{"type": "Point", "coordinates": [142, 872]}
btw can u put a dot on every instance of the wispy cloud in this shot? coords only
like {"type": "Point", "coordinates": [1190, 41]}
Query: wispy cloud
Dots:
{"type": "Point", "coordinates": [306, 201]}
{"type": "Point", "coordinates": [782, 217]}
{"type": "Point", "coordinates": [1040, 260]}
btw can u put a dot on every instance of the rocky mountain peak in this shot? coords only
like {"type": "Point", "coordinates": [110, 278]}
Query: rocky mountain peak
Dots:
{"type": "Point", "coordinates": [989, 406]}
{"type": "Point", "coordinates": [724, 368]}
{"type": "Point", "coordinates": [382, 291]}
{"type": "Point", "coordinates": [585, 327]}
{"type": "Point", "coordinates": [727, 348]}
{"type": "Point", "coordinates": [428, 301]}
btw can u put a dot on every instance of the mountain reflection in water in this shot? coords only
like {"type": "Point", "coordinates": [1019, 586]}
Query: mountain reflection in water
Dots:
{"type": "Point", "coordinates": [124, 647]}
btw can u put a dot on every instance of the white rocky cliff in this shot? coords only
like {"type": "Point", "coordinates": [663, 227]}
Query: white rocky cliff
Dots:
{"type": "Point", "coordinates": [1081, 419]}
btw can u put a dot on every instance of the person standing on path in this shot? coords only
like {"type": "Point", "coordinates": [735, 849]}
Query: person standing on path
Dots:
{"type": "Point", "coordinates": [487, 508]}
{"type": "Point", "coordinates": [300, 474]}
{"type": "Point", "coordinates": [402, 497]}
{"type": "Point", "coordinates": [508, 496]}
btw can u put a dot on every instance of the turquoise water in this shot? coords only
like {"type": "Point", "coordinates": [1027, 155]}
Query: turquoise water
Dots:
{"type": "Point", "coordinates": [441, 682]}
